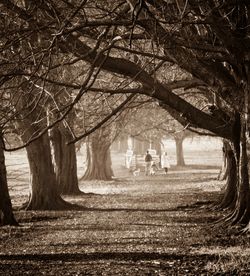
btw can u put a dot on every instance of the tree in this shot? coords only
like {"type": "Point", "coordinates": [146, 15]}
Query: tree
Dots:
{"type": "Point", "coordinates": [6, 213]}
{"type": "Point", "coordinates": [151, 125]}
{"type": "Point", "coordinates": [209, 41]}
{"type": "Point", "coordinates": [44, 194]}
{"type": "Point", "coordinates": [230, 195]}
{"type": "Point", "coordinates": [102, 131]}
{"type": "Point", "coordinates": [65, 161]}
{"type": "Point", "coordinates": [127, 68]}
{"type": "Point", "coordinates": [98, 156]}
{"type": "Point", "coordinates": [31, 121]}
{"type": "Point", "coordinates": [179, 150]}
{"type": "Point", "coordinates": [64, 155]}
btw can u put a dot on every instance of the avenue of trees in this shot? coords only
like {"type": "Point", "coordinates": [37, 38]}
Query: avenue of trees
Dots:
{"type": "Point", "coordinates": [149, 125]}
{"type": "Point", "coordinates": [55, 52]}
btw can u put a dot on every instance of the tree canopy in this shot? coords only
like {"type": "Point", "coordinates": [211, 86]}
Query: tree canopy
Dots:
{"type": "Point", "coordinates": [57, 45]}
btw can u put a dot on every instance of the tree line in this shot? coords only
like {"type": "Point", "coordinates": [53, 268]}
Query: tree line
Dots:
{"type": "Point", "coordinates": [54, 53]}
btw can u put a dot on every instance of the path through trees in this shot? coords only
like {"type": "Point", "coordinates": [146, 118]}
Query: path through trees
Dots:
{"type": "Point", "coordinates": [144, 225]}
{"type": "Point", "coordinates": [127, 48]}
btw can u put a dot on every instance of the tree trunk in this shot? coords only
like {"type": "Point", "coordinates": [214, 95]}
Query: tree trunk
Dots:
{"type": "Point", "coordinates": [230, 195]}
{"type": "Point", "coordinates": [242, 210]}
{"type": "Point", "coordinates": [65, 161]}
{"type": "Point", "coordinates": [224, 171]}
{"type": "Point", "coordinates": [6, 213]}
{"type": "Point", "coordinates": [179, 151]}
{"type": "Point", "coordinates": [44, 193]}
{"type": "Point", "coordinates": [99, 165]}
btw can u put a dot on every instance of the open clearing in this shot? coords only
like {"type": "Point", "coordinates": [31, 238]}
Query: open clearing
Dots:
{"type": "Point", "coordinates": [130, 226]}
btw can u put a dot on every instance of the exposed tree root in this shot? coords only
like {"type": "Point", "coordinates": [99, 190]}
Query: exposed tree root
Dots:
{"type": "Point", "coordinates": [52, 204]}
{"type": "Point", "coordinates": [74, 193]}
{"type": "Point", "coordinates": [8, 220]}
{"type": "Point", "coordinates": [224, 221]}
{"type": "Point", "coordinates": [96, 176]}
{"type": "Point", "coordinates": [245, 230]}
{"type": "Point", "coordinates": [234, 218]}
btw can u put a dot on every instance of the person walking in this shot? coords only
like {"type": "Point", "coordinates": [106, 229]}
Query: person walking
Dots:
{"type": "Point", "coordinates": [165, 162]}
{"type": "Point", "coordinates": [148, 161]}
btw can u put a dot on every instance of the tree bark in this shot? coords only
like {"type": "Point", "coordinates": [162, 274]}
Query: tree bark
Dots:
{"type": "Point", "coordinates": [230, 194]}
{"type": "Point", "coordinates": [99, 165]}
{"type": "Point", "coordinates": [179, 151]}
{"type": "Point", "coordinates": [44, 193]}
{"type": "Point", "coordinates": [65, 161]}
{"type": "Point", "coordinates": [6, 212]}
{"type": "Point", "coordinates": [242, 210]}
{"type": "Point", "coordinates": [224, 171]}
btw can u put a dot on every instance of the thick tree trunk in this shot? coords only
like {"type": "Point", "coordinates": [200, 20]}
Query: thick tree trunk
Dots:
{"type": "Point", "coordinates": [65, 162]}
{"type": "Point", "coordinates": [6, 213]}
{"type": "Point", "coordinates": [44, 193]}
{"type": "Point", "coordinates": [179, 151]}
{"type": "Point", "coordinates": [230, 194]}
{"type": "Point", "coordinates": [242, 211]}
{"type": "Point", "coordinates": [224, 171]}
{"type": "Point", "coordinates": [99, 165]}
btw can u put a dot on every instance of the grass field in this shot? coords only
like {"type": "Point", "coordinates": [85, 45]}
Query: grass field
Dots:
{"type": "Point", "coordinates": [157, 225]}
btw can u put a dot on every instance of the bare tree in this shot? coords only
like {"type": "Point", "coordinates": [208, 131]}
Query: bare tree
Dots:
{"type": "Point", "coordinates": [205, 39]}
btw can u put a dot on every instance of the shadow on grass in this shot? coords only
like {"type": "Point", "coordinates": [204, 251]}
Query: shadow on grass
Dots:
{"type": "Point", "coordinates": [37, 219]}
{"type": "Point", "coordinates": [194, 167]}
{"type": "Point", "coordinates": [180, 217]}
{"type": "Point", "coordinates": [84, 209]}
{"type": "Point", "coordinates": [196, 205]}
{"type": "Point", "coordinates": [126, 256]}
{"type": "Point", "coordinates": [204, 179]}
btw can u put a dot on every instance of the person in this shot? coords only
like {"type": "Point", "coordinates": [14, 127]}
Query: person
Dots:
{"type": "Point", "coordinates": [154, 168]}
{"type": "Point", "coordinates": [165, 162]}
{"type": "Point", "coordinates": [148, 161]}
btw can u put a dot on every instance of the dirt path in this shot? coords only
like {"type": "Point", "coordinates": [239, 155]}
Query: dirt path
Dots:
{"type": "Point", "coordinates": [131, 226]}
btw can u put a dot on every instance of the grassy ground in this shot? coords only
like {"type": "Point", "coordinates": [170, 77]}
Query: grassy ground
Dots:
{"type": "Point", "coordinates": [129, 226]}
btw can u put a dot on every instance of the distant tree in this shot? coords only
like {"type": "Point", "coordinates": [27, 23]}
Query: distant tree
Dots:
{"type": "Point", "coordinates": [150, 124]}
{"type": "Point", "coordinates": [99, 165]}
{"type": "Point", "coordinates": [179, 149]}
{"type": "Point", "coordinates": [89, 115]}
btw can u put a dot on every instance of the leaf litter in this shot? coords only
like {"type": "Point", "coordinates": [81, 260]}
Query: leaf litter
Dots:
{"type": "Point", "coordinates": [145, 226]}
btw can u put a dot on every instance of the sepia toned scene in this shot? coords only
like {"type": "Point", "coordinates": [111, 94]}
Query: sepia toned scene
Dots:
{"type": "Point", "coordinates": [124, 137]}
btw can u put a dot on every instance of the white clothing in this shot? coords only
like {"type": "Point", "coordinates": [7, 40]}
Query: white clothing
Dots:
{"type": "Point", "coordinates": [165, 161]}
